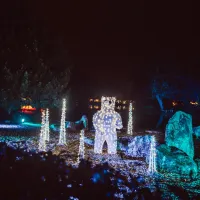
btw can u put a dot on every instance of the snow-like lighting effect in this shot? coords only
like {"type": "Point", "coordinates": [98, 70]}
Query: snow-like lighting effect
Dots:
{"type": "Point", "coordinates": [130, 120]}
{"type": "Point", "coordinates": [106, 121]}
{"type": "Point", "coordinates": [47, 125]}
{"type": "Point", "coordinates": [42, 141]}
{"type": "Point", "coordinates": [62, 137]}
{"type": "Point", "coordinates": [81, 151]}
{"type": "Point", "coordinates": [10, 126]}
{"type": "Point", "coordinates": [152, 156]}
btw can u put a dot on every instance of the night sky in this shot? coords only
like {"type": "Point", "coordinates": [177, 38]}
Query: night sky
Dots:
{"type": "Point", "coordinates": [115, 46]}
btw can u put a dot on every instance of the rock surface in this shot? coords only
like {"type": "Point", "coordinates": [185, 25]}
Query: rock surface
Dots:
{"type": "Point", "coordinates": [197, 161]}
{"type": "Point", "coordinates": [173, 160]}
{"type": "Point", "coordinates": [179, 131]}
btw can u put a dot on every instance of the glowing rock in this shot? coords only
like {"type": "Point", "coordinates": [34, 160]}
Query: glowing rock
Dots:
{"type": "Point", "coordinates": [197, 161]}
{"type": "Point", "coordinates": [196, 131]}
{"type": "Point", "coordinates": [175, 161]}
{"type": "Point", "coordinates": [179, 131]}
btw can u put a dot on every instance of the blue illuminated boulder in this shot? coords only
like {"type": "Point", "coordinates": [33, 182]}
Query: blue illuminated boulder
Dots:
{"type": "Point", "coordinates": [174, 161]}
{"type": "Point", "coordinates": [198, 163]}
{"type": "Point", "coordinates": [196, 131]}
{"type": "Point", "coordinates": [179, 132]}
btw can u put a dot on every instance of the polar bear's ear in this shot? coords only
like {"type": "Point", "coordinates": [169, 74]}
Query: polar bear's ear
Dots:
{"type": "Point", "coordinates": [114, 98]}
{"type": "Point", "coordinates": [103, 98]}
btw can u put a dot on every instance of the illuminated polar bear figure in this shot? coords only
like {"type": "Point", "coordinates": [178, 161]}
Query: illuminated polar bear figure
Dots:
{"type": "Point", "coordinates": [106, 121]}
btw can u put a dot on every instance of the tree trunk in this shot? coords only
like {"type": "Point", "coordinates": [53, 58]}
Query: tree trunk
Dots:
{"type": "Point", "coordinates": [160, 102]}
{"type": "Point", "coordinates": [160, 120]}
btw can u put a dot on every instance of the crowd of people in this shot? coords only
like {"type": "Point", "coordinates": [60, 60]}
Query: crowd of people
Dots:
{"type": "Point", "coordinates": [47, 177]}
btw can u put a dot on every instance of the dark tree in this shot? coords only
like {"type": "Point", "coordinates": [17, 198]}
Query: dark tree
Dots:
{"type": "Point", "coordinates": [38, 75]}
{"type": "Point", "coordinates": [162, 90]}
{"type": "Point", "coordinates": [41, 88]}
{"type": "Point", "coordinates": [175, 88]}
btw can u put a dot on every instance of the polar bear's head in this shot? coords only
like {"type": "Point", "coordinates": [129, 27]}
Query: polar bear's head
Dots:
{"type": "Point", "coordinates": [108, 103]}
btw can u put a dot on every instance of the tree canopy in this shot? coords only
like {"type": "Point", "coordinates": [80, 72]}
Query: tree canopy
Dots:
{"type": "Point", "coordinates": [175, 88]}
{"type": "Point", "coordinates": [34, 72]}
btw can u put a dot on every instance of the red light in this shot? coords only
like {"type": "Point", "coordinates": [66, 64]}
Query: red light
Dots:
{"type": "Point", "coordinates": [27, 109]}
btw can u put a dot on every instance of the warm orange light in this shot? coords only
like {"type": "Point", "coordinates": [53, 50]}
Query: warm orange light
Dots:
{"type": "Point", "coordinates": [28, 107]}
{"type": "Point", "coordinates": [174, 103]}
{"type": "Point", "coordinates": [91, 100]}
{"type": "Point", "coordinates": [96, 100]}
{"type": "Point", "coordinates": [90, 107]}
{"type": "Point", "coordinates": [194, 103]}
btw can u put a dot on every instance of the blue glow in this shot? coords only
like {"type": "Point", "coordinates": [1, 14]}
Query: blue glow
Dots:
{"type": "Point", "coordinates": [105, 171]}
{"type": "Point", "coordinates": [120, 180]}
{"type": "Point", "coordinates": [96, 177]}
{"type": "Point", "coordinates": [23, 120]}
{"type": "Point", "coordinates": [108, 194]}
{"type": "Point", "coordinates": [32, 124]}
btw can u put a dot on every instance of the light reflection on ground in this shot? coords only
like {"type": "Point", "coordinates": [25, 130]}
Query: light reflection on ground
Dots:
{"type": "Point", "coordinates": [135, 167]}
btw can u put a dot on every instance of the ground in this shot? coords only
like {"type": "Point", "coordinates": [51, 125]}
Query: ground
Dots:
{"type": "Point", "coordinates": [27, 140]}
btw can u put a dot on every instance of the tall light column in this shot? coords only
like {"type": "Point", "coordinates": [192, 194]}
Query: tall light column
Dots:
{"type": "Point", "coordinates": [130, 120]}
{"type": "Point", "coordinates": [47, 125]}
{"type": "Point", "coordinates": [62, 137]}
{"type": "Point", "coordinates": [81, 151]}
{"type": "Point", "coordinates": [42, 143]}
{"type": "Point", "coordinates": [152, 156]}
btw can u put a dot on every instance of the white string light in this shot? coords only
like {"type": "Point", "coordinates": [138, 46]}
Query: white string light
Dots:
{"type": "Point", "coordinates": [47, 125]}
{"type": "Point", "coordinates": [62, 136]}
{"type": "Point", "coordinates": [106, 121]}
{"type": "Point", "coordinates": [81, 152]}
{"type": "Point", "coordinates": [42, 143]}
{"type": "Point", "coordinates": [130, 120]}
{"type": "Point", "coordinates": [152, 156]}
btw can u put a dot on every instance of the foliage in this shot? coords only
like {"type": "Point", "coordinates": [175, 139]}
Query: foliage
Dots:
{"type": "Point", "coordinates": [179, 88]}
{"type": "Point", "coordinates": [175, 88]}
{"type": "Point", "coordinates": [40, 89]}
{"type": "Point", "coordinates": [37, 82]}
